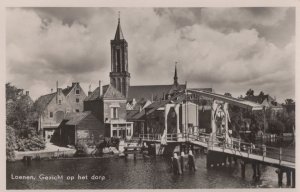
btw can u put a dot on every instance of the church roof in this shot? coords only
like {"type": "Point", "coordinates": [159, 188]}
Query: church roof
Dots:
{"type": "Point", "coordinates": [119, 33]}
{"type": "Point", "coordinates": [151, 91]}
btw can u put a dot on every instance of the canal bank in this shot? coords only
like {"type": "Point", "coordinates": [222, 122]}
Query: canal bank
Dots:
{"type": "Point", "coordinates": [50, 151]}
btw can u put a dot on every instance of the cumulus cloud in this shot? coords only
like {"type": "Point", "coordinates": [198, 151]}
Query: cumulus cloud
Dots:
{"type": "Point", "coordinates": [231, 49]}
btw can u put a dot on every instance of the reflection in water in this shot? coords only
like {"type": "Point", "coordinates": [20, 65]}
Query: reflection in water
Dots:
{"type": "Point", "coordinates": [134, 174]}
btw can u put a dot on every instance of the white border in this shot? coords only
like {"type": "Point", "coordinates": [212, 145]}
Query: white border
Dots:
{"type": "Point", "coordinates": [139, 3]}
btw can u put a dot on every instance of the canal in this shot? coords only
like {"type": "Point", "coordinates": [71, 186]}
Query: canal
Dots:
{"type": "Point", "coordinates": [120, 173]}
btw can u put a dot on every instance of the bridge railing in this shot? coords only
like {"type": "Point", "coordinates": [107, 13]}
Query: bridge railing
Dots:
{"type": "Point", "coordinates": [150, 137]}
{"type": "Point", "coordinates": [237, 146]}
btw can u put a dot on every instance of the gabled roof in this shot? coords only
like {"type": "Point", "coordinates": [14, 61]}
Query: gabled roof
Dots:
{"type": "Point", "coordinates": [109, 93]}
{"type": "Point", "coordinates": [151, 91]}
{"type": "Point", "coordinates": [112, 93]}
{"type": "Point", "coordinates": [133, 115]}
{"type": "Point", "coordinates": [67, 90]}
{"type": "Point", "coordinates": [74, 118]}
{"type": "Point", "coordinates": [93, 96]}
{"type": "Point", "coordinates": [44, 100]}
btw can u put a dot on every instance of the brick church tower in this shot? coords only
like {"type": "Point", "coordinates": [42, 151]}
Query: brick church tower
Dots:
{"type": "Point", "coordinates": [119, 75]}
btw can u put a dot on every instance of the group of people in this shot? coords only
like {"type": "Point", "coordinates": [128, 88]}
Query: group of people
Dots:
{"type": "Point", "coordinates": [178, 163]}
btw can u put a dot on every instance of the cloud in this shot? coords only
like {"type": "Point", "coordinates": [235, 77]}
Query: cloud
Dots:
{"type": "Point", "coordinates": [219, 47]}
{"type": "Point", "coordinates": [242, 17]}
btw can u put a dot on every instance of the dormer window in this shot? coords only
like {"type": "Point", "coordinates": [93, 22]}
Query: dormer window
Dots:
{"type": "Point", "coordinates": [59, 102]}
{"type": "Point", "coordinates": [77, 91]}
{"type": "Point", "coordinates": [51, 115]}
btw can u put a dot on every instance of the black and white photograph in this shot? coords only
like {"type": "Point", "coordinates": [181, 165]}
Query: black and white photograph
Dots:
{"type": "Point", "coordinates": [154, 97]}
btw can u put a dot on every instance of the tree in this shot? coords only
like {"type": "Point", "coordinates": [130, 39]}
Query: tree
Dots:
{"type": "Point", "coordinates": [261, 94]}
{"type": "Point", "coordinates": [250, 92]}
{"type": "Point", "coordinates": [228, 94]}
{"type": "Point", "coordinates": [10, 143]}
{"type": "Point", "coordinates": [12, 92]}
{"type": "Point", "coordinates": [276, 127]}
{"type": "Point", "coordinates": [289, 101]}
{"type": "Point", "coordinates": [21, 116]}
{"type": "Point", "coordinates": [20, 113]}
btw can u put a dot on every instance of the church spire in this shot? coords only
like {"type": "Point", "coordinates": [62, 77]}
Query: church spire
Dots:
{"type": "Point", "coordinates": [119, 34]}
{"type": "Point", "coordinates": [175, 75]}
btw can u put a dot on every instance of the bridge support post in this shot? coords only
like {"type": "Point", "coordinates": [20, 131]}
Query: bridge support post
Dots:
{"type": "Point", "coordinates": [243, 168]}
{"type": "Point", "coordinates": [256, 171]}
{"type": "Point", "coordinates": [230, 160]}
{"type": "Point", "coordinates": [280, 174]}
{"type": "Point", "coordinates": [288, 178]}
{"type": "Point", "coordinates": [293, 179]}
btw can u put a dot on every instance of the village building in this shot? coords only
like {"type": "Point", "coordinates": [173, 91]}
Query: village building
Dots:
{"type": "Point", "coordinates": [54, 106]}
{"type": "Point", "coordinates": [109, 106]}
{"type": "Point", "coordinates": [76, 128]}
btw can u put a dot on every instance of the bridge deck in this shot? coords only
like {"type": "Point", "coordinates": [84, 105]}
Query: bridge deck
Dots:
{"type": "Point", "coordinates": [236, 148]}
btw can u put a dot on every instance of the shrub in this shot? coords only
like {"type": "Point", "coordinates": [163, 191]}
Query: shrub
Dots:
{"type": "Point", "coordinates": [34, 143]}
{"type": "Point", "coordinates": [10, 143]}
{"type": "Point", "coordinates": [276, 127]}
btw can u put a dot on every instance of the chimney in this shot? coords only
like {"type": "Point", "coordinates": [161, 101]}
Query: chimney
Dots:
{"type": "Point", "coordinates": [51, 90]}
{"type": "Point", "coordinates": [100, 88]}
{"type": "Point", "coordinates": [90, 91]}
{"type": "Point", "coordinates": [27, 93]}
{"type": "Point", "coordinates": [75, 83]}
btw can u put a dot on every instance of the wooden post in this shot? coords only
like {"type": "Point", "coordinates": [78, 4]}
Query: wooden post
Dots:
{"type": "Point", "coordinates": [239, 146]}
{"type": "Point", "coordinates": [280, 155]}
{"type": "Point", "coordinates": [254, 171]}
{"type": "Point", "coordinates": [258, 171]}
{"type": "Point", "coordinates": [243, 168]}
{"type": "Point", "coordinates": [264, 151]}
{"type": "Point", "coordinates": [280, 173]}
{"type": "Point", "coordinates": [288, 178]}
{"type": "Point", "coordinates": [248, 152]}
{"type": "Point", "coordinates": [293, 179]}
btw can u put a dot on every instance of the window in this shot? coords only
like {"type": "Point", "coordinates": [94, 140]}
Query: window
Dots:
{"type": "Point", "coordinates": [115, 133]}
{"type": "Point", "coordinates": [77, 91]}
{"type": "Point", "coordinates": [118, 60]}
{"type": "Point", "coordinates": [51, 115]}
{"type": "Point", "coordinates": [77, 100]}
{"type": "Point", "coordinates": [59, 102]}
{"type": "Point", "coordinates": [114, 113]}
{"type": "Point", "coordinates": [77, 110]}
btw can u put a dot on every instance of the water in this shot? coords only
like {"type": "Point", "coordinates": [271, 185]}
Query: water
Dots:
{"type": "Point", "coordinates": [148, 173]}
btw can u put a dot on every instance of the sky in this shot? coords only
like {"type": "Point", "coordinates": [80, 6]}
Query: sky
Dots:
{"type": "Point", "coordinates": [228, 49]}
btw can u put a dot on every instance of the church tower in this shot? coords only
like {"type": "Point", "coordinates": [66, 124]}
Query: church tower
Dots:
{"type": "Point", "coordinates": [119, 75]}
